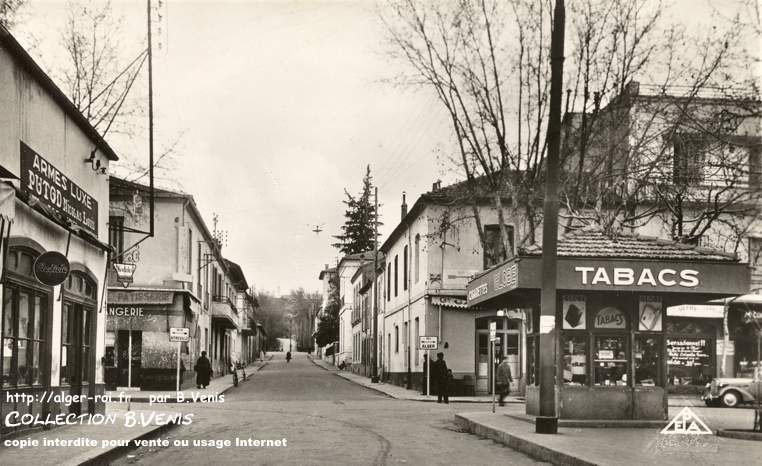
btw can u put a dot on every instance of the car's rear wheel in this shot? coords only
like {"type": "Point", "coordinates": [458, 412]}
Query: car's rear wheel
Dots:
{"type": "Point", "coordinates": [731, 399]}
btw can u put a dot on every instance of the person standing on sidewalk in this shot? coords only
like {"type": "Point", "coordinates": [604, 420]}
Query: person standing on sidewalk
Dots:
{"type": "Point", "coordinates": [203, 370]}
{"type": "Point", "coordinates": [425, 374]}
{"type": "Point", "coordinates": [439, 373]}
{"type": "Point", "coordinates": [503, 380]}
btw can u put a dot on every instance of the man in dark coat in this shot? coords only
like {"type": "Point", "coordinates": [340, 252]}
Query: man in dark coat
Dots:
{"type": "Point", "coordinates": [439, 374]}
{"type": "Point", "coordinates": [203, 370]}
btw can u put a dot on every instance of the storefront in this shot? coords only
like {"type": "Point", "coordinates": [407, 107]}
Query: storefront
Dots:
{"type": "Point", "coordinates": [53, 203]}
{"type": "Point", "coordinates": [139, 353]}
{"type": "Point", "coordinates": [614, 340]}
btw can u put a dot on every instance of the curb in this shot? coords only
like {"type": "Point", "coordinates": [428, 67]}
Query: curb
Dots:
{"type": "Point", "coordinates": [107, 456]}
{"type": "Point", "coordinates": [740, 434]}
{"type": "Point", "coordinates": [594, 423]}
{"type": "Point", "coordinates": [379, 390]}
{"type": "Point", "coordinates": [535, 450]}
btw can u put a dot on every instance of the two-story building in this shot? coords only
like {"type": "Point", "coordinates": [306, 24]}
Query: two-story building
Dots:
{"type": "Point", "coordinates": [430, 256]}
{"type": "Point", "coordinates": [170, 287]}
{"type": "Point", "coordinates": [53, 227]}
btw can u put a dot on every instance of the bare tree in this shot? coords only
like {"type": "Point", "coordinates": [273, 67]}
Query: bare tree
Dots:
{"type": "Point", "coordinates": [9, 12]}
{"type": "Point", "coordinates": [96, 77]}
{"type": "Point", "coordinates": [487, 62]}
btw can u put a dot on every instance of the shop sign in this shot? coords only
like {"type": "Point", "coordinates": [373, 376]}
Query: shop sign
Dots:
{"type": "Point", "coordinates": [124, 311]}
{"type": "Point", "coordinates": [56, 191]}
{"type": "Point", "coordinates": [51, 268]}
{"type": "Point", "coordinates": [649, 313]}
{"type": "Point", "coordinates": [492, 331]}
{"type": "Point", "coordinates": [141, 297]}
{"type": "Point", "coordinates": [610, 317]}
{"type": "Point", "coordinates": [574, 312]}
{"type": "Point", "coordinates": [751, 316]}
{"type": "Point", "coordinates": [507, 279]}
{"type": "Point", "coordinates": [709, 311]}
{"type": "Point", "coordinates": [687, 352]}
{"type": "Point", "coordinates": [179, 334]}
{"type": "Point", "coordinates": [477, 292]}
{"type": "Point", "coordinates": [625, 276]}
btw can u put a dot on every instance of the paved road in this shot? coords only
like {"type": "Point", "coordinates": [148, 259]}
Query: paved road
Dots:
{"type": "Point", "coordinates": [326, 420]}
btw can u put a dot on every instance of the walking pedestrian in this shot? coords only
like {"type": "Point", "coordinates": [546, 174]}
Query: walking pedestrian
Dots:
{"type": "Point", "coordinates": [203, 370]}
{"type": "Point", "coordinates": [503, 380]}
{"type": "Point", "coordinates": [439, 372]}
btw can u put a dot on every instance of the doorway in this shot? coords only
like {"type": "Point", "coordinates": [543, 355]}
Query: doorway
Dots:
{"type": "Point", "coordinates": [508, 345]}
{"type": "Point", "coordinates": [75, 351]}
{"type": "Point", "coordinates": [125, 340]}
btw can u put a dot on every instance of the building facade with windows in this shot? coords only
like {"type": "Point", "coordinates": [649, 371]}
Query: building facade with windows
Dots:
{"type": "Point", "coordinates": [429, 258]}
{"type": "Point", "coordinates": [180, 280]}
{"type": "Point", "coordinates": [53, 197]}
{"type": "Point", "coordinates": [348, 317]}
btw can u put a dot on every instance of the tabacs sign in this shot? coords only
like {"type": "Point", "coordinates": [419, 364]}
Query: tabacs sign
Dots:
{"type": "Point", "coordinates": [56, 191]}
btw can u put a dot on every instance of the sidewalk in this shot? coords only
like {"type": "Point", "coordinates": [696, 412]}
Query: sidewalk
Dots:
{"type": "Point", "coordinates": [216, 386]}
{"type": "Point", "coordinates": [113, 434]}
{"type": "Point", "coordinates": [402, 393]}
{"type": "Point", "coordinates": [588, 446]}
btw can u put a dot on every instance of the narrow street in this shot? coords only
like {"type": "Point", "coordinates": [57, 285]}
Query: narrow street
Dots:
{"type": "Point", "coordinates": [326, 420]}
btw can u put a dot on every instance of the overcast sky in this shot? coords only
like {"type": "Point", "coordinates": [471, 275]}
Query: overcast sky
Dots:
{"type": "Point", "coordinates": [281, 105]}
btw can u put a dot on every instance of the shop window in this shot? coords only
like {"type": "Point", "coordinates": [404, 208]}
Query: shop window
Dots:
{"type": "Point", "coordinates": [610, 360]}
{"type": "Point", "coordinates": [647, 357]}
{"type": "Point", "coordinates": [689, 360]}
{"type": "Point", "coordinates": [575, 359]}
{"type": "Point", "coordinates": [24, 317]}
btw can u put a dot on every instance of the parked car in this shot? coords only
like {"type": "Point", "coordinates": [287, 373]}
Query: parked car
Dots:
{"type": "Point", "coordinates": [730, 392]}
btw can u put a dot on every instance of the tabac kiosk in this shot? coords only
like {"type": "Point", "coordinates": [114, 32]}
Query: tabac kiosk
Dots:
{"type": "Point", "coordinates": [610, 321]}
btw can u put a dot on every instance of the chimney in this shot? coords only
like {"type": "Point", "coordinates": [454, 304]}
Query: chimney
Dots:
{"type": "Point", "coordinates": [404, 206]}
{"type": "Point", "coordinates": [437, 185]}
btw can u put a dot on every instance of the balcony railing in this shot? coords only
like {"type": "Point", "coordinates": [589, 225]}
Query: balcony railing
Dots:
{"type": "Point", "coordinates": [224, 311]}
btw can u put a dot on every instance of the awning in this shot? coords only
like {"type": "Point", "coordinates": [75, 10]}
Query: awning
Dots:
{"type": "Point", "coordinates": [455, 302]}
{"type": "Point", "coordinates": [223, 320]}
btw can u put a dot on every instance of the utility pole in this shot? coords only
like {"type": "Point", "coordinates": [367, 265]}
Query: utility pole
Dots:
{"type": "Point", "coordinates": [374, 365]}
{"type": "Point", "coordinates": [547, 421]}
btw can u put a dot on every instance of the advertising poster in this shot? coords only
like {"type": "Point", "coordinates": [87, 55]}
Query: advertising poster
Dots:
{"type": "Point", "coordinates": [574, 313]}
{"type": "Point", "coordinates": [649, 314]}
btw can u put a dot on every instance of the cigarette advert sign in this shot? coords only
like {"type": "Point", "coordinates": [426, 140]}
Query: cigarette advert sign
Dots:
{"type": "Point", "coordinates": [56, 191]}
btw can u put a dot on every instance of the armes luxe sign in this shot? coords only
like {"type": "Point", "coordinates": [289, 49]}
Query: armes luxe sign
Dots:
{"type": "Point", "coordinates": [614, 275]}
{"type": "Point", "coordinates": [56, 191]}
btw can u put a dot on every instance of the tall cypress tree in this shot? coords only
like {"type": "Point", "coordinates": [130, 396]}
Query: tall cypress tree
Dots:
{"type": "Point", "coordinates": [358, 229]}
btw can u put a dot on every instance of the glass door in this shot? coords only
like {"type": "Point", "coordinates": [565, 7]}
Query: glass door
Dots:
{"type": "Point", "coordinates": [75, 350]}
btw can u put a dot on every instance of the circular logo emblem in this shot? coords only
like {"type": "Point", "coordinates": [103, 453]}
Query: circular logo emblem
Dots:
{"type": "Point", "coordinates": [51, 268]}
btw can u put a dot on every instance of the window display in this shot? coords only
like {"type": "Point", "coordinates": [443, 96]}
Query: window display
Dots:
{"type": "Point", "coordinates": [690, 360]}
{"type": "Point", "coordinates": [575, 359]}
{"type": "Point", "coordinates": [610, 360]}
